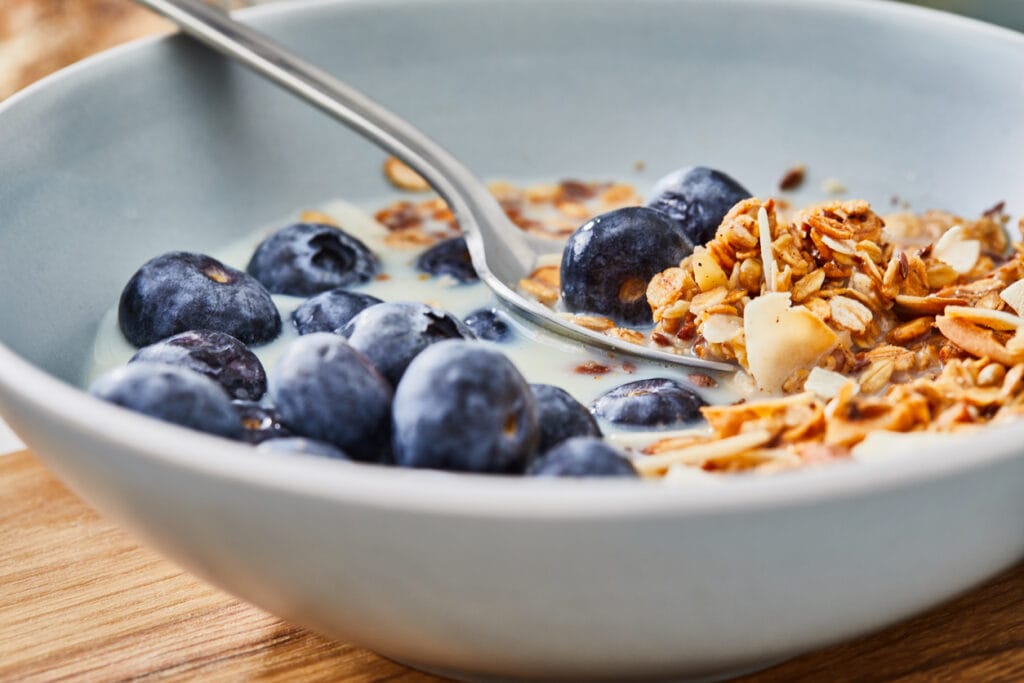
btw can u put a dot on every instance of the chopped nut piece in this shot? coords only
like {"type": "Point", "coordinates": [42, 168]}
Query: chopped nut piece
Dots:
{"type": "Point", "coordinates": [706, 271]}
{"type": "Point", "coordinates": [910, 331]}
{"type": "Point", "coordinates": [925, 305]}
{"type": "Point", "coordinates": [403, 177]}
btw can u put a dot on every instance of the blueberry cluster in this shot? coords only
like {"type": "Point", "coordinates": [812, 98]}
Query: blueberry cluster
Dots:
{"type": "Point", "coordinates": [399, 383]}
{"type": "Point", "coordinates": [608, 261]}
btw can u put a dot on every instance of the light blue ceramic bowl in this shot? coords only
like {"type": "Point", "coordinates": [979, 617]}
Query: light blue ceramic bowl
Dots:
{"type": "Point", "coordinates": [161, 145]}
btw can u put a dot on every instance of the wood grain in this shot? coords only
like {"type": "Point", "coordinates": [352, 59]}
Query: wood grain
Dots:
{"type": "Point", "coordinates": [79, 600]}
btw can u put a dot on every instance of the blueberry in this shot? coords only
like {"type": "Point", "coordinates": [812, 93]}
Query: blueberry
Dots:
{"type": "Point", "coordinates": [298, 444]}
{"type": "Point", "coordinates": [217, 355]}
{"type": "Point", "coordinates": [561, 416]}
{"type": "Point", "coordinates": [698, 198]}
{"type": "Point", "coordinates": [182, 291]}
{"type": "Point", "coordinates": [487, 324]}
{"type": "Point", "coordinates": [171, 393]}
{"type": "Point", "coordinates": [393, 333]}
{"type": "Point", "coordinates": [582, 456]}
{"type": "Point", "coordinates": [259, 422]}
{"type": "Point", "coordinates": [307, 258]}
{"type": "Point", "coordinates": [449, 257]}
{"type": "Point", "coordinates": [326, 390]}
{"type": "Point", "coordinates": [649, 402]}
{"type": "Point", "coordinates": [463, 406]}
{"type": "Point", "coordinates": [330, 310]}
{"type": "Point", "coordinates": [608, 262]}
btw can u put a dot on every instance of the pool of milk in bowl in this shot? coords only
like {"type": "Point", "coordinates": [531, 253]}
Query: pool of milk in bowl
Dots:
{"type": "Point", "coordinates": [540, 355]}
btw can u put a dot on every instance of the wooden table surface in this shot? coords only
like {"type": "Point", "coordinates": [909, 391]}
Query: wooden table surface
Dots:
{"type": "Point", "coordinates": [80, 600]}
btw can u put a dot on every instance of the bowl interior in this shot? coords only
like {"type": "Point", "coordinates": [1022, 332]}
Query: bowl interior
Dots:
{"type": "Point", "coordinates": [162, 145]}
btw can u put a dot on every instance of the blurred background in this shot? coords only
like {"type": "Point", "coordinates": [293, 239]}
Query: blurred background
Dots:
{"type": "Point", "coordinates": [41, 36]}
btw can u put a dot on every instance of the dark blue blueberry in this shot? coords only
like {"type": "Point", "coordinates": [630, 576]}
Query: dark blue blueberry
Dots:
{"type": "Point", "coordinates": [259, 422]}
{"type": "Point", "coordinates": [330, 310]}
{"type": "Point", "coordinates": [449, 257]}
{"type": "Point", "coordinates": [463, 406]}
{"type": "Point", "coordinates": [582, 456]}
{"type": "Point", "coordinates": [182, 291]}
{"type": "Point", "coordinates": [608, 262]}
{"type": "Point", "coordinates": [298, 444]}
{"type": "Point", "coordinates": [393, 333]}
{"type": "Point", "coordinates": [327, 390]}
{"type": "Point", "coordinates": [217, 355]}
{"type": "Point", "coordinates": [304, 259]}
{"type": "Point", "coordinates": [488, 324]}
{"type": "Point", "coordinates": [698, 198]}
{"type": "Point", "coordinates": [171, 393]}
{"type": "Point", "coordinates": [649, 402]}
{"type": "Point", "coordinates": [561, 416]}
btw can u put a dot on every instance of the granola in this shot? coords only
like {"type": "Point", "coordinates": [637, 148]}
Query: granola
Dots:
{"type": "Point", "coordinates": [842, 322]}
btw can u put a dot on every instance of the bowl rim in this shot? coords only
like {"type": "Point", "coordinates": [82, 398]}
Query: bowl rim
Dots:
{"type": "Point", "coordinates": [424, 491]}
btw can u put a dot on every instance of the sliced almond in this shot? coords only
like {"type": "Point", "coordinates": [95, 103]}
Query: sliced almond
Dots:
{"type": "Point", "coordinates": [1014, 296]}
{"type": "Point", "coordinates": [847, 247]}
{"type": "Point", "coordinates": [994, 320]}
{"type": "Point", "coordinates": [764, 230]}
{"type": "Point", "coordinates": [782, 340]}
{"type": "Point", "coordinates": [719, 329]}
{"type": "Point", "coordinates": [925, 305]}
{"type": "Point", "coordinates": [956, 250]}
{"type": "Point", "coordinates": [698, 453]}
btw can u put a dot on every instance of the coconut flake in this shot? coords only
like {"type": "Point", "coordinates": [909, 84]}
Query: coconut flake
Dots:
{"type": "Point", "coordinates": [956, 251]}
{"type": "Point", "coordinates": [994, 320]}
{"type": "Point", "coordinates": [826, 383]}
{"type": "Point", "coordinates": [782, 340]}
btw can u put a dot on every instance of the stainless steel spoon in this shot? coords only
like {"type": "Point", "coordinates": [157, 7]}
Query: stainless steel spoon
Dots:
{"type": "Point", "coordinates": [501, 253]}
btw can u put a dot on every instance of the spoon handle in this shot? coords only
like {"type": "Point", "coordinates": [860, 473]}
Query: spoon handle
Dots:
{"type": "Point", "coordinates": [471, 203]}
{"type": "Point", "coordinates": [500, 253]}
